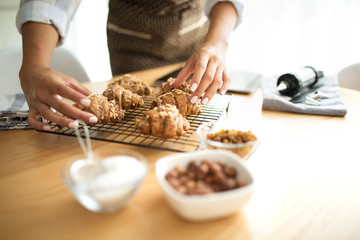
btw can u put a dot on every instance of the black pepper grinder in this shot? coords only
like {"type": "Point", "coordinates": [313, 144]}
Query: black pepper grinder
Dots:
{"type": "Point", "coordinates": [290, 84]}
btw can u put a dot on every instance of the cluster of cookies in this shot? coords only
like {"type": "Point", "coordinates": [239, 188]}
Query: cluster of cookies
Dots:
{"type": "Point", "coordinates": [165, 119]}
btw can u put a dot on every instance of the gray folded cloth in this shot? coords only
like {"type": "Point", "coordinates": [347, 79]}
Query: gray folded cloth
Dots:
{"type": "Point", "coordinates": [332, 106]}
{"type": "Point", "coordinates": [13, 111]}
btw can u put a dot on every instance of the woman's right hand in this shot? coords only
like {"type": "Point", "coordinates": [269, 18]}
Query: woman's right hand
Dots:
{"type": "Point", "coordinates": [45, 88]}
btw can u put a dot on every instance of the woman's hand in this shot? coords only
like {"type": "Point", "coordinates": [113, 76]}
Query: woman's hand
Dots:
{"type": "Point", "coordinates": [208, 66]}
{"type": "Point", "coordinates": [208, 62]}
{"type": "Point", "coordinates": [44, 88]}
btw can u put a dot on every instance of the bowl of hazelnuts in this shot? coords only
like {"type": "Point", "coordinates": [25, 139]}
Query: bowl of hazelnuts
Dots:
{"type": "Point", "coordinates": [205, 185]}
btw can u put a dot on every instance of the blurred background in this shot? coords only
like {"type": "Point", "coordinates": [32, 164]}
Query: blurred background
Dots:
{"type": "Point", "coordinates": [276, 36]}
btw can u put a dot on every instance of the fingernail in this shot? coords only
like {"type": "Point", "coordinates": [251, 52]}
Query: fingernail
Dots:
{"type": "Point", "coordinates": [93, 119]}
{"type": "Point", "coordinates": [193, 99]}
{"type": "Point", "coordinates": [223, 92]}
{"type": "Point", "coordinates": [193, 87]}
{"type": "Point", "coordinates": [73, 125]}
{"type": "Point", "coordinates": [205, 101]}
{"type": "Point", "coordinates": [46, 128]}
{"type": "Point", "coordinates": [85, 102]}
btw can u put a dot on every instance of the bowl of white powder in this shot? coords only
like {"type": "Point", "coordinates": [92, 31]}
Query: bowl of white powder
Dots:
{"type": "Point", "coordinates": [106, 183]}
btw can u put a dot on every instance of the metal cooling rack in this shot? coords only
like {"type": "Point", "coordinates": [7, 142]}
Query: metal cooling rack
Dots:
{"type": "Point", "coordinates": [125, 131]}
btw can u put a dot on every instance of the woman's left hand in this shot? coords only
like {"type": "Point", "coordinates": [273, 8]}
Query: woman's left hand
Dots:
{"type": "Point", "coordinates": [208, 65]}
{"type": "Point", "coordinates": [208, 62]}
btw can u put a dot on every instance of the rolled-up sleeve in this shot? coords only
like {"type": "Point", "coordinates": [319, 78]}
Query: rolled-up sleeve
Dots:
{"type": "Point", "coordinates": [237, 4]}
{"type": "Point", "coordinates": [58, 13]}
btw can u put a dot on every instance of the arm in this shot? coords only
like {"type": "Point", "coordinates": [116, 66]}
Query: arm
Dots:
{"type": "Point", "coordinates": [42, 85]}
{"type": "Point", "coordinates": [208, 62]}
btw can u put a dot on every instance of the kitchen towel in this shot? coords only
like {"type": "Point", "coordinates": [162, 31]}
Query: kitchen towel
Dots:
{"type": "Point", "coordinates": [13, 111]}
{"type": "Point", "coordinates": [332, 106]}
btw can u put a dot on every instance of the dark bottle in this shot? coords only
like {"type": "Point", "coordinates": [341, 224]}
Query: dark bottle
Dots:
{"type": "Point", "coordinates": [290, 84]}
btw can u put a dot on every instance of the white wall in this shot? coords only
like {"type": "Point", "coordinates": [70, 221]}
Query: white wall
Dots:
{"type": "Point", "coordinates": [277, 36]}
{"type": "Point", "coordinates": [87, 39]}
{"type": "Point", "coordinates": [9, 35]}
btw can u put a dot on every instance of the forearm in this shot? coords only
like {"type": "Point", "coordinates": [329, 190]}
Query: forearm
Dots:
{"type": "Point", "coordinates": [42, 85]}
{"type": "Point", "coordinates": [39, 42]}
{"type": "Point", "coordinates": [222, 21]}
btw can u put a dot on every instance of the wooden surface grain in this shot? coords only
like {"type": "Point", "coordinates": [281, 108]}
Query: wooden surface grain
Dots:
{"type": "Point", "coordinates": [306, 171]}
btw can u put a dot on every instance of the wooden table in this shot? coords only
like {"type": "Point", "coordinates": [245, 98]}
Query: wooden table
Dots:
{"type": "Point", "coordinates": [306, 171]}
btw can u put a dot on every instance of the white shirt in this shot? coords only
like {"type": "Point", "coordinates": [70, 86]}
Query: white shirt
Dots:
{"type": "Point", "coordinates": [60, 13]}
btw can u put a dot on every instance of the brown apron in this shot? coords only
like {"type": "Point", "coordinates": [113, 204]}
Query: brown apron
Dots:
{"type": "Point", "coordinates": [144, 34]}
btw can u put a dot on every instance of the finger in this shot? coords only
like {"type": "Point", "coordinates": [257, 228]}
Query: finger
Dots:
{"type": "Point", "coordinates": [54, 78]}
{"type": "Point", "coordinates": [49, 115]}
{"type": "Point", "coordinates": [201, 67]}
{"type": "Point", "coordinates": [66, 91]}
{"type": "Point", "coordinates": [184, 73]}
{"type": "Point", "coordinates": [33, 121]}
{"type": "Point", "coordinates": [79, 87]}
{"type": "Point", "coordinates": [214, 86]}
{"type": "Point", "coordinates": [205, 81]}
{"type": "Point", "coordinates": [70, 111]}
{"type": "Point", "coordinates": [226, 83]}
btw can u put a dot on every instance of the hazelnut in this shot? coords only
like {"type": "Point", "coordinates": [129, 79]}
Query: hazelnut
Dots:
{"type": "Point", "coordinates": [172, 174]}
{"type": "Point", "coordinates": [219, 177]}
{"type": "Point", "coordinates": [228, 184]}
{"type": "Point", "coordinates": [193, 166]}
{"type": "Point", "coordinates": [202, 170]}
{"type": "Point", "coordinates": [229, 171]}
{"type": "Point", "coordinates": [209, 179]}
{"type": "Point", "coordinates": [181, 170]}
{"type": "Point", "coordinates": [183, 179]}
{"type": "Point", "coordinates": [202, 188]}
{"type": "Point", "coordinates": [181, 189]}
{"type": "Point", "coordinates": [215, 168]}
{"type": "Point", "coordinates": [174, 182]}
{"type": "Point", "coordinates": [191, 175]}
{"type": "Point", "coordinates": [190, 184]}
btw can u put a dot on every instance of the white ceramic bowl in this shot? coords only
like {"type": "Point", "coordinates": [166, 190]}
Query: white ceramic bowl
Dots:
{"type": "Point", "coordinates": [210, 206]}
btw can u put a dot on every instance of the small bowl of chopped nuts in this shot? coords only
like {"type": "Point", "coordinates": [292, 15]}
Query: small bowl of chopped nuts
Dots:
{"type": "Point", "coordinates": [204, 185]}
{"type": "Point", "coordinates": [215, 136]}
